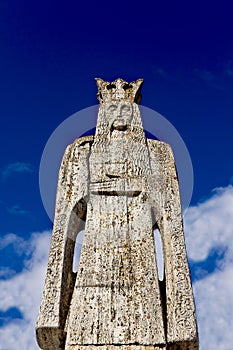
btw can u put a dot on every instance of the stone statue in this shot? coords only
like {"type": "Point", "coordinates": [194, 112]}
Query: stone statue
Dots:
{"type": "Point", "coordinates": [118, 187]}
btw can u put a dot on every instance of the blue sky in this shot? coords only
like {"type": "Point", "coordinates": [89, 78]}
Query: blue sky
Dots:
{"type": "Point", "coordinates": [50, 53]}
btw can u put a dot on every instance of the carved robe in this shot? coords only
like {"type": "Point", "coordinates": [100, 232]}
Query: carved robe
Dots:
{"type": "Point", "coordinates": [117, 186]}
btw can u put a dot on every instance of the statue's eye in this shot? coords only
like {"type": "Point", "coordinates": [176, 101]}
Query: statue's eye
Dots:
{"type": "Point", "coordinates": [125, 108]}
{"type": "Point", "coordinates": [112, 108]}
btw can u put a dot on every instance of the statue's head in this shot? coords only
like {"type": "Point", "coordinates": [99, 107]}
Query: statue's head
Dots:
{"type": "Point", "coordinates": [118, 105]}
{"type": "Point", "coordinates": [119, 137]}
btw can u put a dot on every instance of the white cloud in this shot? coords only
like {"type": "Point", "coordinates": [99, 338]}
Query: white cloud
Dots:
{"type": "Point", "coordinates": [17, 210]}
{"type": "Point", "coordinates": [17, 167]}
{"type": "Point", "coordinates": [18, 243]}
{"type": "Point", "coordinates": [205, 75]}
{"type": "Point", "coordinates": [214, 305]}
{"type": "Point", "coordinates": [24, 291]}
{"type": "Point", "coordinates": [216, 78]}
{"type": "Point", "coordinates": [6, 272]}
{"type": "Point", "coordinates": [207, 226]}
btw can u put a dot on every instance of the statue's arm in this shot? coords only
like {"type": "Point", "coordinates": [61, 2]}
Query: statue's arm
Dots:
{"type": "Point", "coordinates": [72, 192]}
{"type": "Point", "coordinates": [166, 206]}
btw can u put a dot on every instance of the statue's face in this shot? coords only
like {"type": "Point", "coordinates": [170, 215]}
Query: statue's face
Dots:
{"type": "Point", "coordinates": [119, 114]}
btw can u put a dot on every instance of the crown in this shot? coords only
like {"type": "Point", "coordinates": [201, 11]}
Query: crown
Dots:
{"type": "Point", "coordinates": [119, 90]}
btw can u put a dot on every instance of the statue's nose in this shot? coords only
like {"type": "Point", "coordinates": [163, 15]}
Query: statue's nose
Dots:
{"type": "Point", "coordinates": [118, 112]}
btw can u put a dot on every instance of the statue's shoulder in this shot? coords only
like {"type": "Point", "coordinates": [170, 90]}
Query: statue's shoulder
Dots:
{"type": "Point", "coordinates": [160, 146]}
{"type": "Point", "coordinates": [81, 141]}
{"type": "Point", "coordinates": [160, 151]}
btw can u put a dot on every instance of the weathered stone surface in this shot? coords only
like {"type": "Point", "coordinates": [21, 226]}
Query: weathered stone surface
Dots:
{"type": "Point", "coordinates": [118, 186]}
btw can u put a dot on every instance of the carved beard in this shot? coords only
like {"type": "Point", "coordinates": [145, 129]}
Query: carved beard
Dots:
{"type": "Point", "coordinates": [119, 151]}
{"type": "Point", "coordinates": [107, 123]}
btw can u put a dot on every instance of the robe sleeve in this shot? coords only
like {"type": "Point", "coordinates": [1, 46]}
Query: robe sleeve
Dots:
{"type": "Point", "coordinates": [178, 301]}
{"type": "Point", "coordinates": [72, 193]}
